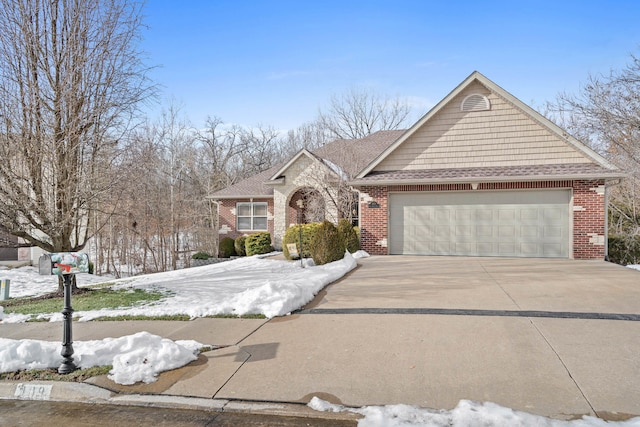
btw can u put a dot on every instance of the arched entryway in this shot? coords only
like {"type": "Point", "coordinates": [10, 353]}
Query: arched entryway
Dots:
{"type": "Point", "coordinates": [306, 206]}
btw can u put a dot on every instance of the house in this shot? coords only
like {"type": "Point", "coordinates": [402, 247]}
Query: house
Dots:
{"type": "Point", "coordinates": [481, 174]}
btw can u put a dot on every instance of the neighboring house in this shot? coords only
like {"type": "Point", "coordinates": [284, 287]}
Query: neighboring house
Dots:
{"type": "Point", "coordinates": [9, 250]}
{"type": "Point", "coordinates": [481, 174]}
{"type": "Point", "coordinates": [8, 246]}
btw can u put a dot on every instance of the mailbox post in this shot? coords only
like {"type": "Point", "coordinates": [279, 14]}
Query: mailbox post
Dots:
{"type": "Point", "coordinates": [65, 264]}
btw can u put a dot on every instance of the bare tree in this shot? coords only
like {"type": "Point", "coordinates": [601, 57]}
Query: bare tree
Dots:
{"type": "Point", "coordinates": [606, 115]}
{"type": "Point", "coordinates": [71, 79]}
{"type": "Point", "coordinates": [360, 112]}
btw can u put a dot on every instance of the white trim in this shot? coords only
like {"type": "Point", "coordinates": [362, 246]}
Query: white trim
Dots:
{"type": "Point", "coordinates": [468, 179]}
{"type": "Point", "coordinates": [487, 104]}
{"type": "Point", "coordinates": [300, 153]}
{"type": "Point", "coordinates": [476, 76]}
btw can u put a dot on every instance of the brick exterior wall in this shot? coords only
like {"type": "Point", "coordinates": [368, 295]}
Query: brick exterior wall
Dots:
{"type": "Point", "coordinates": [588, 212]}
{"type": "Point", "coordinates": [374, 220]}
{"type": "Point", "coordinates": [588, 220]}
{"type": "Point", "coordinates": [227, 217]}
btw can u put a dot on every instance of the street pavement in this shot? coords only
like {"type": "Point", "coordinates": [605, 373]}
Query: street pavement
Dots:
{"type": "Point", "coordinates": [552, 337]}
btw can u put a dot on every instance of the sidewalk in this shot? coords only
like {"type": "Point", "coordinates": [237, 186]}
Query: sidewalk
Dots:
{"type": "Point", "coordinates": [558, 367]}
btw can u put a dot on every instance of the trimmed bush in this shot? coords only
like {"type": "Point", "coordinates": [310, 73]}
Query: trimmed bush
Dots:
{"type": "Point", "coordinates": [239, 246]}
{"type": "Point", "coordinates": [624, 250]}
{"type": "Point", "coordinates": [348, 235]}
{"type": "Point", "coordinates": [200, 255]}
{"type": "Point", "coordinates": [292, 235]}
{"type": "Point", "coordinates": [327, 246]}
{"type": "Point", "coordinates": [226, 248]}
{"type": "Point", "coordinates": [258, 243]}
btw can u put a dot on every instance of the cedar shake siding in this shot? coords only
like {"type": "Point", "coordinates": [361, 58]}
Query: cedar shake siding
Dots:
{"type": "Point", "coordinates": [500, 136]}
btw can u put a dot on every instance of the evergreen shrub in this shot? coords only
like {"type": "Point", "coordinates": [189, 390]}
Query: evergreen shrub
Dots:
{"type": "Point", "coordinates": [327, 246]}
{"type": "Point", "coordinates": [348, 235]}
{"type": "Point", "coordinates": [200, 255]}
{"type": "Point", "coordinates": [226, 248]}
{"type": "Point", "coordinates": [239, 246]}
{"type": "Point", "coordinates": [292, 235]}
{"type": "Point", "coordinates": [258, 243]}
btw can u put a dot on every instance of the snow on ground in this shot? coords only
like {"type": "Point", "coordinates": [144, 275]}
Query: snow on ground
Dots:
{"type": "Point", "coordinates": [466, 414]}
{"type": "Point", "coordinates": [246, 285]}
{"type": "Point", "coordinates": [26, 282]}
{"type": "Point", "coordinates": [250, 285]}
{"type": "Point", "coordinates": [138, 357]}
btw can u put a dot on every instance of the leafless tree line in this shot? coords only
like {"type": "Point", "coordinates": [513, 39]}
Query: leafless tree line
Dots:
{"type": "Point", "coordinates": [162, 215]}
{"type": "Point", "coordinates": [81, 164]}
{"type": "Point", "coordinates": [605, 114]}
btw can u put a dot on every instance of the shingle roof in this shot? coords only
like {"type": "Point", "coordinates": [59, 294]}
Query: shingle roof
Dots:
{"type": "Point", "coordinates": [250, 187]}
{"type": "Point", "coordinates": [529, 172]}
{"type": "Point", "coordinates": [354, 154]}
{"type": "Point", "coordinates": [351, 155]}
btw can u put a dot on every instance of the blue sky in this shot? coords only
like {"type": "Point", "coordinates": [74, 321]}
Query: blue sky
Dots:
{"type": "Point", "coordinates": [277, 62]}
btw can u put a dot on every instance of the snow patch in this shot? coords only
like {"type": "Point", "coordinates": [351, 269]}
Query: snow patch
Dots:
{"type": "Point", "coordinates": [466, 413]}
{"type": "Point", "coordinates": [138, 357]}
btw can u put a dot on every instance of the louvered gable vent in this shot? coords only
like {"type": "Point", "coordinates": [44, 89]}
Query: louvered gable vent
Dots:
{"type": "Point", "coordinates": [475, 102]}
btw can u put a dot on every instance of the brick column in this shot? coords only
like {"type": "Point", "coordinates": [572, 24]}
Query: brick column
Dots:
{"type": "Point", "coordinates": [373, 220]}
{"type": "Point", "coordinates": [588, 219]}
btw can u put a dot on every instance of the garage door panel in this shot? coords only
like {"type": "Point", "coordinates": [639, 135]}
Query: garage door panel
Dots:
{"type": "Point", "coordinates": [529, 214]}
{"type": "Point", "coordinates": [506, 249]}
{"type": "Point", "coordinates": [508, 214]}
{"type": "Point", "coordinates": [549, 232]}
{"type": "Point", "coordinates": [484, 231]}
{"type": "Point", "coordinates": [552, 250]}
{"type": "Point", "coordinates": [509, 223]}
{"type": "Point", "coordinates": [529, 231]}
{"type": "Point", "coordinates": [443, 215]}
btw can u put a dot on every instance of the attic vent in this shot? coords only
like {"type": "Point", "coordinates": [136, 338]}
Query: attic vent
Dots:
{"type": "Point", "coordinates": [475, 102]}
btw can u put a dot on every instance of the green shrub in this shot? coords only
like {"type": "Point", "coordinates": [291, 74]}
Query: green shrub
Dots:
{"type": "Point", "coordinates": [292, 235]}
{"type": "Point", "coordinates": [348, 235]}
{"type": "Point", "coordinates": [239, 246]}
{"type": "Point", "coordinates": [200, 255]}
{"type": "Point", "coordinates": [91, 267]}
{"type": "Point", "coordinates": [226, 248]}
{"type": "Point", "coordinates": [258, 243]}
{"type": "Point", "coordinates": [327, 246]}
{"type": "Point", "coordinates": [624, 250]}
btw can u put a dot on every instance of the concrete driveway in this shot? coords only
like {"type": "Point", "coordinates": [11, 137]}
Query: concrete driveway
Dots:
{"type": "Point", "coordinates": [430, 331]}
{"type": "Point", "coordinates": [486, 284]}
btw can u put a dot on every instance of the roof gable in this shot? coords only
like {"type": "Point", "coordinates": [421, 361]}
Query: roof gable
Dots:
{"type": "Point", "coordinates": [343, 158]}
{"type": "Point", "coordinates": [292, 161]}
{"type": "Point", "coordinates": [507, 134]}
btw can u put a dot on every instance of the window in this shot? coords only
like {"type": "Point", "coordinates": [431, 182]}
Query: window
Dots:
{"type": "Point", "coordinates": [251, 216]}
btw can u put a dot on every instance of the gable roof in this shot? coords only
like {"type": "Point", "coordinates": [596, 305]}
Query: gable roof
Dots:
{"type": "Point", "coordinates": [573, 145]}
{"type": "Point", "coordinates": [349, 155]}
{"type": "Point", "coordinates": [304, 152]}
{"type": "Point", "coordinates": [252, 187]}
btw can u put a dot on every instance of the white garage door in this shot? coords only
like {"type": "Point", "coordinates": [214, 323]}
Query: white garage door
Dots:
{"type": "Point", "coordinates": [481, 223]}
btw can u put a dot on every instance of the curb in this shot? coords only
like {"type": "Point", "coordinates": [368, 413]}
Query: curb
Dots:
{"type": "Point", "coordinates": [56, 391]}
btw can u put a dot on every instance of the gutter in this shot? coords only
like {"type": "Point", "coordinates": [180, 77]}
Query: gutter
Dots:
{"type": "Point", "coordinates": [469, 179]}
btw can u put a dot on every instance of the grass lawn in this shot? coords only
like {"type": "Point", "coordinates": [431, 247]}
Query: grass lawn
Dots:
{"type": "Point", "coordinates": [88, 299]}
{"type": "Point", "coordinates": [95, 298]}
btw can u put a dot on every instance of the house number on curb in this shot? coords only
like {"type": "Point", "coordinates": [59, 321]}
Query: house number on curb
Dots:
{"type": "Point", "coordinates": [33, 391]}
